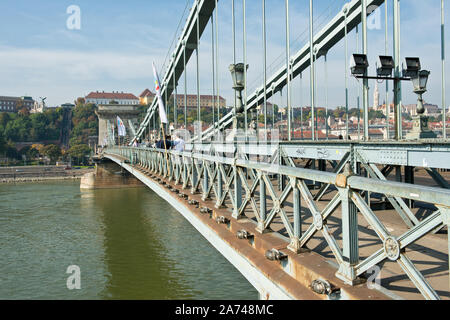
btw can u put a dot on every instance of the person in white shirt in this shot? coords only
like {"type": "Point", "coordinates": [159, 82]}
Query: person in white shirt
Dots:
{"type": "Point", "coordinates": [179, 144]}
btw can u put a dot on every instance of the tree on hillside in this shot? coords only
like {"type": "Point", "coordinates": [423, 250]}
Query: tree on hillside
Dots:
{"type": "Point", "coordinates": [84, 124]}
{"type": "Point", "coordinates": [79, 152]}
{"type": "Point", "coordinates": [4, 118]}
{"type": "Point", "coordinates": [24, 112]}
{"type": "Point", "coordinates": [29, 152]}
{"type": "Point", "coordinates": [18, 129]}
{"type": "Point", "coordinates": [321, 113]}
{"type": "Point", "coordinates": [52, 151]}
{"type": "Point", "coordinates": [2, 143]}
{"type": "Point", "coordinates": [11, 151]}
{"type": "Point", "coordinates": [80, 101]}
{"type": "Point", "coordinates": [39, 147]}
{"type": "Point", "coordinates": [339, 112]}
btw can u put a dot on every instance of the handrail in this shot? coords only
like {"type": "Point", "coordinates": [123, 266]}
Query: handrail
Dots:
{"type": "Point", "coordinates": [438, 196]}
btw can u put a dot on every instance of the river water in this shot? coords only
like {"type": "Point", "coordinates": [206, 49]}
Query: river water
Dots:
{"type": "Point", "coordinates": [127, 243]}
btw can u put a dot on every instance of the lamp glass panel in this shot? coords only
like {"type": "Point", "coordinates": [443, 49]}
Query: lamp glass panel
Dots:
{"type": "Point", "coordinates": [416, 83]}
{"type": "Point", "coordinates": [423, 80]}
{"type": "Point", "coordinates": [233, 76]}
{"type": "Point", "coordinates": [239, 76]}
{"type": "Point", "coordinates": [232, 69]}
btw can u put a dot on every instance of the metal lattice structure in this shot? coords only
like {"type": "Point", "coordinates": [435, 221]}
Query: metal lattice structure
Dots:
{"type": "Point", "coordinates": [248, 186]}
{"type": "Point", "coordinates": [315, 192]}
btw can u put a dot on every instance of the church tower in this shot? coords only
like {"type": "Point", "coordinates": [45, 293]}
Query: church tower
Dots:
{"type": "Point", "coordinates": [376, 97]}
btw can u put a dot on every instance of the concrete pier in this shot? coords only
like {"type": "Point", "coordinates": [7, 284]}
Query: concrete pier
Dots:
{"type": "Point", "coordinates": [108, 175]}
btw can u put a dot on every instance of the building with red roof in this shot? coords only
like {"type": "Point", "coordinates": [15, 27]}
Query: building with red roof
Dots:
{"type": "Point", "coordinates": [146, 97]}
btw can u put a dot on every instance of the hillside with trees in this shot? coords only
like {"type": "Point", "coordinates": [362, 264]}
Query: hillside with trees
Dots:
{"type": "Point", "coordinates": [84, 124]}
{"type": "Point", "coordinates": [22, 127]}
{"type": "Point", "coordinates": [47, 131]}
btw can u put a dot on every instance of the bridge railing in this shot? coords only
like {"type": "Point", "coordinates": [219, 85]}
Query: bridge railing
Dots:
{"type": "Point", "coordinates": [268, 192]}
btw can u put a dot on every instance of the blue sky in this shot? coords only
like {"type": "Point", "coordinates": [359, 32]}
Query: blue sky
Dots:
{"type": "Point", "coordinates": [118, 40]}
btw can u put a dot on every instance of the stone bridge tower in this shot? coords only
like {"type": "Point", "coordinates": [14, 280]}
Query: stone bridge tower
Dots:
{"type": "Point", "coordinates": [110, 112]}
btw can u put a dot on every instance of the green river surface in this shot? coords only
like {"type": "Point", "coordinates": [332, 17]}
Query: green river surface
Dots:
{"type": "Point", "coordinates": [128, 244]}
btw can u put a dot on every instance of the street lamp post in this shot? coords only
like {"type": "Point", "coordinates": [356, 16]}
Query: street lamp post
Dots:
{"type": "Point", "coordinates": [420, 128]}
{"type": "Point", "coordinates": [237, 74]}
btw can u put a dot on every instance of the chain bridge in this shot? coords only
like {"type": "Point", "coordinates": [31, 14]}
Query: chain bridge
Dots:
{"type": "Point", "coordinates": [310, 216]}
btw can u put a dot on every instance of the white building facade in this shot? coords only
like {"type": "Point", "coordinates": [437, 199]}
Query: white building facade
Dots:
{"type": "Point", "coordinates": [119, 98]}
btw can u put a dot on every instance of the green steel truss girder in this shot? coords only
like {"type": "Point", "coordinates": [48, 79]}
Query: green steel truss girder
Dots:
{"type": "Point", "coordinates": [393, 247]}
{"type": "Point", "coordinates": [397, 246]}
{"type": "Point", "coordinates": [337, 169]}
{"type": "Point", "coordinates": [398, 203]}
{"type": "Point", "coordinates": [438, 178]}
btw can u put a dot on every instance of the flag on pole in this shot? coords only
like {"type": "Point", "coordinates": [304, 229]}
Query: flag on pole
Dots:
{"type": "Point", "coordinates": [121, 131]}
{"type": "Point", "coordinates": [162, 110]}
{"type": "Point", "coordinates": [111, 133]}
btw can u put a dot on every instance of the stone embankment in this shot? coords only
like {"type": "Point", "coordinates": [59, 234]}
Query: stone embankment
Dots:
{"type": "Point", "coordinates": [40, 173]}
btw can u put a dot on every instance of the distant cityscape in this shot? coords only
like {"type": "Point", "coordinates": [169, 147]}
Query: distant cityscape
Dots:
{"type": "Point", "coordinates": [332, 124]}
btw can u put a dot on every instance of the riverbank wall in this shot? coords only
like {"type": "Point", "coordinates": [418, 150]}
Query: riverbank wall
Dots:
{"type": "Point", "coordinates": [40, 173]}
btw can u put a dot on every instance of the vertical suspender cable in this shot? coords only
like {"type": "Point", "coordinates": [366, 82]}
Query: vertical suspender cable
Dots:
{"type": "Point", "coordinates": [233, 31]}
{"type": "Point", "coordinates": [346, 74]}
{"type": "Point", "coordinates": [400, 71]}
{"type": "Point", "coordinates": [316, 117]}
{"type": "Point", "coordinates": [311, 52]}
{"type": "Point", "coordinates": [386, 49]}
{"type": "Point", "coordinates": [198, 74]}
{"type": "Point", "coordinates": [397, 83]}
{"type": "Point", "coordinates": [292, 109]}
{"type": "Point", "coordinates": [175, 105]}
{"type": "Point", "coordinates": [213, 102]}
{"type": "Point", "coordinates": [444, 127]}
{"type": "Point", "coordinates": [326, 94]}
{"type": "Point", "coordinates": [166, 106]}
{"type": "Point", "coordinates": [154, 123]}
{"type": "Point", "coordinates": [273, 108]}
{"type": "Point", "coordinates": [217, 63]}
{"type": "Point", "coordinates": [301, 105]}
{"type": "Point", "coordinates": [244, 40]}
{"type": "Point", "coordinates": [185, 85]}
{"type": "Point", "coordinates": [365, 81]}
{"type": "Point", "coordinates": [358, 98]}
{"type": "Point", "coordinates": [288, 71]}
{"type": "Point", "coordinates": [264, 65]}
{"type": "Point", "coordinates": [167, 99]}
{"type": "Point", "coordinates": [281, 102]}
